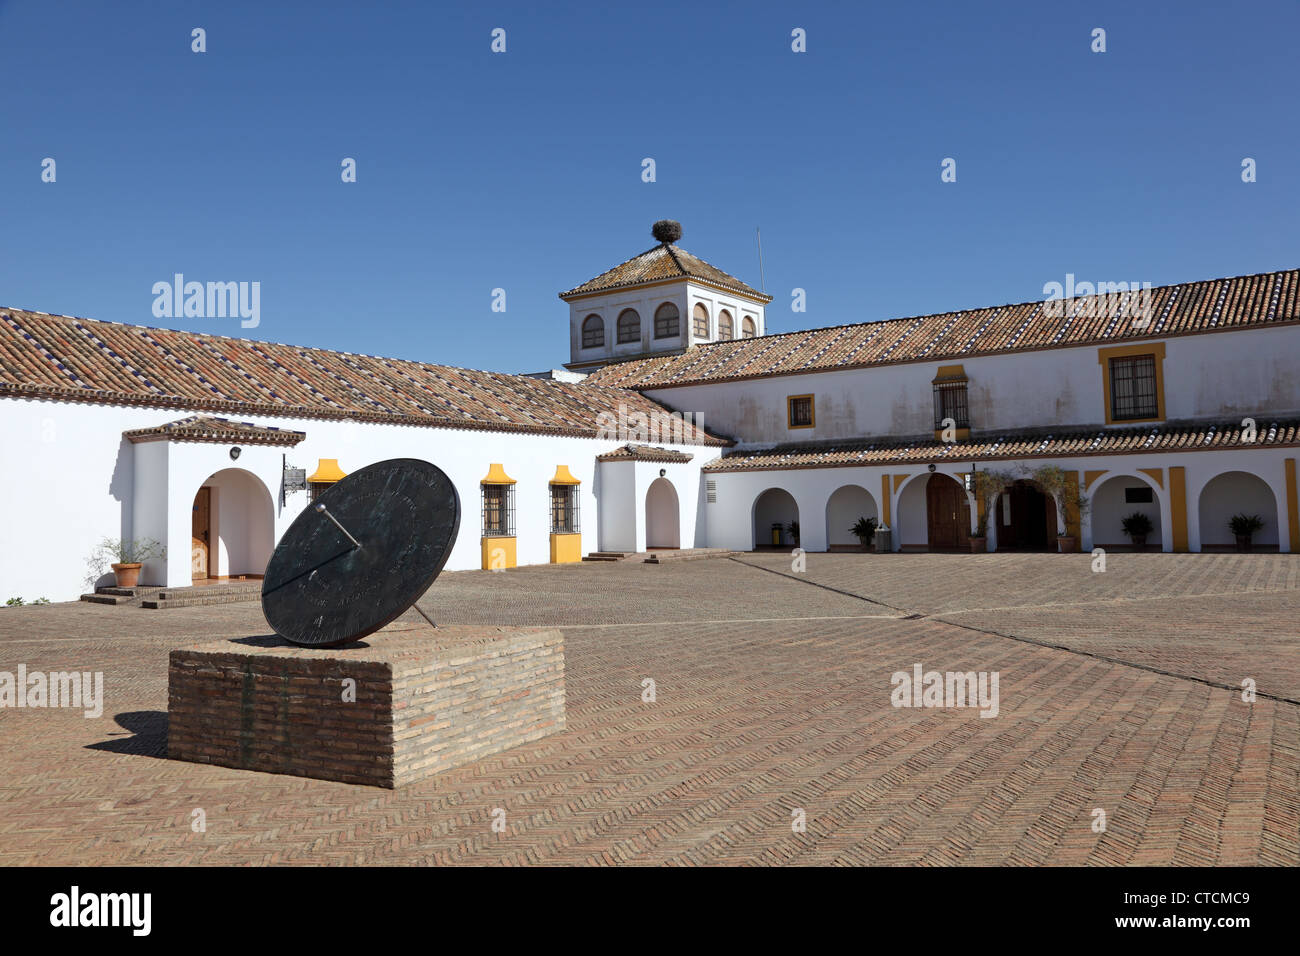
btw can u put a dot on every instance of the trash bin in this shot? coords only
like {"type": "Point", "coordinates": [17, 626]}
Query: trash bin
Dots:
{"type": "Point", "coordinates": [883, 541]}
{"type": "Point", "coordinates": [776, 533]}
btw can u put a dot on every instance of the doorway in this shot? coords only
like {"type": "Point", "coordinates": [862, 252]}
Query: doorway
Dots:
{"type": "Point", "coordinates": [1026, 519]}
{"type": "Point", "coordinates": [201, 536]}
{"type": "Point", "coordinates": [947, 514]}
{"type": "Point", "coordinates": [662, 521]}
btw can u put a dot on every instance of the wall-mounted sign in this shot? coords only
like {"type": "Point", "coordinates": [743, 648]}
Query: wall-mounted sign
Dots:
{"type": "Point", "coordinates": [295, 479]}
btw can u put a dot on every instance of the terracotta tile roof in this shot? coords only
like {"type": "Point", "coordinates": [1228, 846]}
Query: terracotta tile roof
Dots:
{"type": "Point", "coordinates": [645, 453]}
{"type": "Point", "coordinates": [1267, 299]}
{"type": "Point", "coordinates": [71, 359]}
{"type": "Point", "coordinates": [208, 428]}
{"type": "Point", "coordinates": [661, 262]}
{"type": "Point", "coordinates": [1039, 443]}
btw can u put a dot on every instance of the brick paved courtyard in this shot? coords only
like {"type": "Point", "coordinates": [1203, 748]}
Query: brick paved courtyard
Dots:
{"type": "Point", "coordinates": [1118, 691]}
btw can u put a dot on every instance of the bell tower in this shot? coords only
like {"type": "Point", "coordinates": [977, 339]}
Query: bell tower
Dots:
{"type": "Point", "coordinates": [660, 302]}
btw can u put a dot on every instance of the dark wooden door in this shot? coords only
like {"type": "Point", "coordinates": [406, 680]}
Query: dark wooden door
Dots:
{"type": "Point", "coordinates": [947, 514]}
{"type": "Point", "coordinates": [200, 531]}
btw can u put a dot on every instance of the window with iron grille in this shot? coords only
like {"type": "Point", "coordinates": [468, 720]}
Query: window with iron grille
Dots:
{"type": "Point", "coordinates": [1133, 388]}
{"type": "Point", "coordinates": [799, 410]}
{"type": "Point", "coordinates": [629, 327]}
{"type": "Point", "coordinates": [593, 332]}
{"type": "Point", "coordinates": [700, 321]}
{"type": "Point", "coordinates": [498, 511]}
{"type": "Point", "coordinates": [950, 402]}
{"type": "Point", "coordinates": [564, 509]}
{"type": "Point", "coordinates": [667, 325]}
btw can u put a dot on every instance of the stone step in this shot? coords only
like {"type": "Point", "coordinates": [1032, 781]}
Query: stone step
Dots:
{"type": "Point", "coordinates": [240, 587]}
{"type": "Point", "coordinates": [139, 591]}
{"type": "Point", "coordinates": [609, 555]}
{"type": "Point", "coordinates": [160, 603]}
{"type": "Point", "coordinates": [99, 598]}
{"type": "Point", "coordinates": [693, 554]}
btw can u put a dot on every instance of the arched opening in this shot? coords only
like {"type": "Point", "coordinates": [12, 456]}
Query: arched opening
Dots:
{"type": "Point", "coordinates": [747, 328]}
{"type": "Point", "coordinates": [726, 327]}
{"type": "Point", "coordinates": [629, 326]}
{"type": "Point", "coordinates": [947, 514]}
{"type": "Point", "coordinates": [662, 521]}
{"type": "Point", "coordinates": [593, 331]}
{"type": "Point", "coordinates": [843, 510]}
{"type": "Point", "coordinates": [776, 520]}
{"type": "Point", "coordinates": [1120, 497]}
{"type": "Point", "coordinates": [1237, 493]}
{"type": "Point", "coordinates": [232, 526]}
{"type": "Point", "coordinates": [700, 321]}
{"type": "Point", "coordinates": [1026, 518]}
{"type": "Point", "coordinates": [667, 322]}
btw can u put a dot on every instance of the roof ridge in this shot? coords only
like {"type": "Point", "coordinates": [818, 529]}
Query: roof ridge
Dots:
{"type": "Point", "coordinates": [643, 374]}
{"type": "Point", "coordinates": [291, 345]}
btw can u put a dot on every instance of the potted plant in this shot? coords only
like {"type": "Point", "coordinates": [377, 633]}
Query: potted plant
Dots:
{"type": "Point", "coordinates": [128, 556]}
{"type": "Point", "coordinates": [1137, 526]}
{"type": "Point", "coordinates": [865, 531]}
{"type": "Point", "coordinates": [1055, 481]}
{"type": "Point", "coordinates": [793, 529]}
{"type": "Point", "coordinates": [1244, 527]}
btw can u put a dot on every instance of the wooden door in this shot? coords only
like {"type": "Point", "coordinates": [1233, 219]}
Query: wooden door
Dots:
{"type": "Point", "coordinates": [947, 514]}
{"type": "Point", "coordinates": [201, 532]}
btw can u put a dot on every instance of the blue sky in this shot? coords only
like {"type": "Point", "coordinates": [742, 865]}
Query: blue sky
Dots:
{"type": "Point", "coordinates": [522, 170]}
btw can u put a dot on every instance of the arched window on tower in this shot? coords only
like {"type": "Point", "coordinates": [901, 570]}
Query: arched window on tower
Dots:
{"type": "Point", "coordinates": [747, 329]}
{"type": "Point", "coordinates": [725, 328]}
{"type": "Point", "coordinates": [667, 321]}
{"type": "Point", "coordinates": [593, 332]}
{"type": "Point", "coordinates": [701, 321]}
{"type": "Point", "coordinates": [629, 327]}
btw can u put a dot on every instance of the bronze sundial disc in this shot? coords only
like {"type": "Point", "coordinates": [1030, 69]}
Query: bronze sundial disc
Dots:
{"type": "Point", "coordinates": [362, 553]}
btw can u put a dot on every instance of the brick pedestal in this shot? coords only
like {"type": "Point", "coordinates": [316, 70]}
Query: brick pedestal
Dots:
{"type": "Point", "coordinates": [426, 700]}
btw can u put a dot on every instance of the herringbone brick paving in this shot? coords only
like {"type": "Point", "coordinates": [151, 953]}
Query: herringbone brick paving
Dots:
{"type": "Point", "coordinates": [772, 696]}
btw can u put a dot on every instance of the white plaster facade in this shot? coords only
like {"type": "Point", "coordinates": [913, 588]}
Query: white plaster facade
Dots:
{"type": "Point", "coordinates": [1257, 483]}
{"type": "Point", "coordinates": [1252, 373]}
{"type": "Point", "coordinates": [81, 481]}
{"type": "Point", "coordinates": [685, 294]}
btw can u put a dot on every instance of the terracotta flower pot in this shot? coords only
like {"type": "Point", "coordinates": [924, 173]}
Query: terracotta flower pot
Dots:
{"type": "Point", "coordinates": [128, 575]}
{"type": "Point", "coordinates": [979, 545]}
{"type": "Point", "coordinates": [1243, 542]}
{"type": "Point", "coordinates": [1139, 541]}
{"type": "Point", "coordinates": [1067, 543]}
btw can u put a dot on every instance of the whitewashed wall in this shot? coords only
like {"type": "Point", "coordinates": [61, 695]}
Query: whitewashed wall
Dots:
{"type": "Point", "coordinates": [70, 479]}
{"type": "Point", "coordinates": [730, 521]}
{"type": "Point", "coordinates": [1248, 373]}
{"type": "Point", "coordinates": [624, 489]}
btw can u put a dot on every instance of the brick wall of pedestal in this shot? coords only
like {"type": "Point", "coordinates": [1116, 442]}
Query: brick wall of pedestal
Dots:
{"type": "Point", "coordinates": [425, 701]}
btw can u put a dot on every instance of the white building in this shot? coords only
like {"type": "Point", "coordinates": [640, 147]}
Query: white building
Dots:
{"type": "Point", "coordinates": [1188, 413]}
